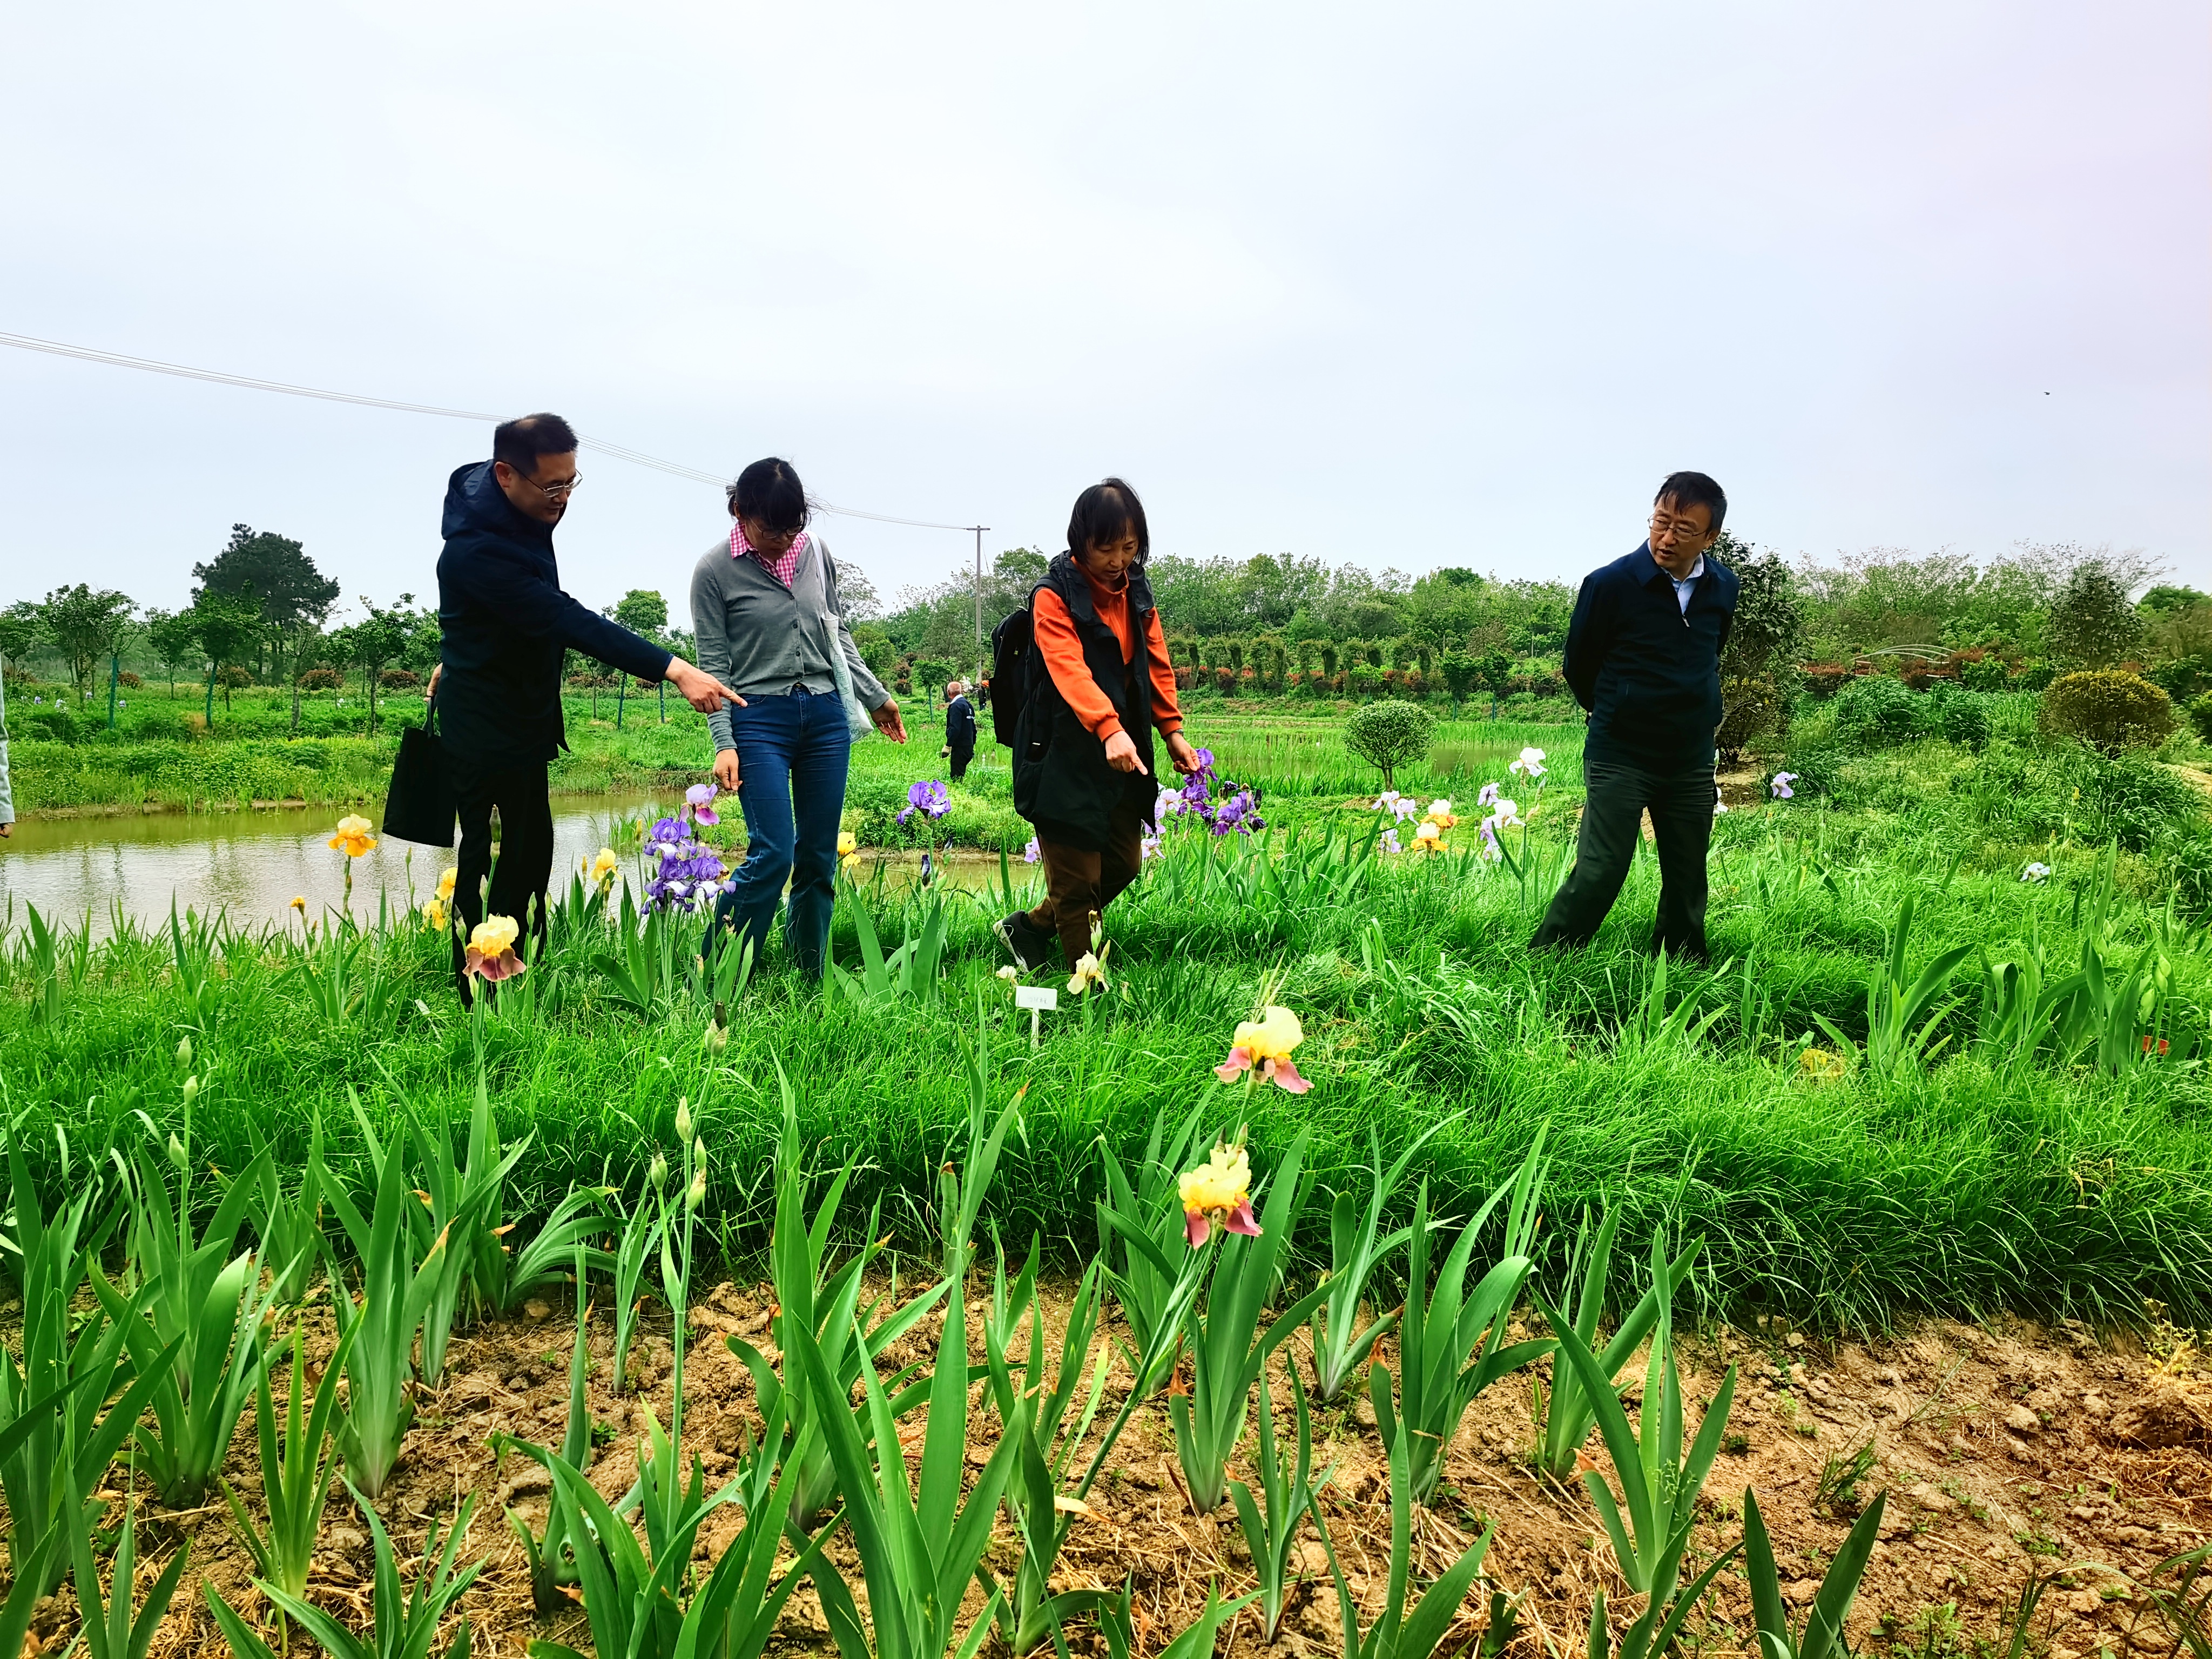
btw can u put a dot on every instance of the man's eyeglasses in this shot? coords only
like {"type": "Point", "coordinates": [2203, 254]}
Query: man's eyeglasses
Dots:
{"type": "Point", "coordinates": [1688, 530]}
{"type": "Point", "coordinates": [553, 492]}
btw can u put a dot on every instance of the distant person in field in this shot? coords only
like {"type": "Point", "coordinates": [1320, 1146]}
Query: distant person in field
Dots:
{"type": "Point", "coordinates": [1643, 656]}
{"type": "Point", "coordinates": [765, 607]}
{"type": "Point", "coordinates": [959, 728]}
{"type": "Point", "coordinates": [1099, 683]}
{"type": "Point", "coordinates": [505, 626]}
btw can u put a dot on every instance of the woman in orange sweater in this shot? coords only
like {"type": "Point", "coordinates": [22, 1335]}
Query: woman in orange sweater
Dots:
{"type": "Point", "coordinates": [1082, 742]}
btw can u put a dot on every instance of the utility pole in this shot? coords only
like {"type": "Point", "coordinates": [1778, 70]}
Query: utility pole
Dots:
{"type": "Point", "coordinates": [979, 529]}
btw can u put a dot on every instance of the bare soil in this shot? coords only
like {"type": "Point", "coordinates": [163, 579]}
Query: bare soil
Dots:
{"type": "Point", "coordinates": [2008, 1451]}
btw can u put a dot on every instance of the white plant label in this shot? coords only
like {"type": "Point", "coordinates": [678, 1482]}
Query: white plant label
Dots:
{"type": "Point", "coordinates": [1039, 1000]}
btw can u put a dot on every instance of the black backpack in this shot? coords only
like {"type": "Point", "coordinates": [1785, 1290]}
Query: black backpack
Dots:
{"type": "Point", "coordinates": [1013, 649]}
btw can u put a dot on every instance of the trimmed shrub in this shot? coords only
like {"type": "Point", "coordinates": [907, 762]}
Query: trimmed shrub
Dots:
{"type": "Point", "coordinates": [322, 679]}
{"type": "Point", "coordinates": [2108, 709]}
{"type": "Point", "coordinates": [406, 679]}
{"type": "Point", "coordinates": [1876, 711]}
{"type": "Point", "coordinates": [235, 677]}
{"type": "Point", "coordinates": [2034, 676]}
{"type": "Point", "coordinates": [128, 681]}
{"type": "Point", "coordinates": [1824, 679]}
{"type": "Point", "coordinates": [1389, 735]}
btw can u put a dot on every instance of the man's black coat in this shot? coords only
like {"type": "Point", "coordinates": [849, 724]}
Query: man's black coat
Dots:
{"type": "Point", "coordinates": [504, 626]}
{"type": "Point", "coordinates": [1648, 670]}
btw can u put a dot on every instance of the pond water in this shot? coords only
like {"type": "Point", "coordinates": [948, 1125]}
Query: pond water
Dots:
{"type": "Point", "coordinates": [252, 865]}
{"type": "Point", "coordinates": [249, 864]}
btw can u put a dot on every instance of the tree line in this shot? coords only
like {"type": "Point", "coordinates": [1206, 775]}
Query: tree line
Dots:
{"type": "Point", "coordinates": [1281, 623]}
{"type": "Point", "coordinates": [261, 611]}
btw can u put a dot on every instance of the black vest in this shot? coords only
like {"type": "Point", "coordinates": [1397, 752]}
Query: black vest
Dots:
{"type": "Point", "coordinates": [1062, 783]}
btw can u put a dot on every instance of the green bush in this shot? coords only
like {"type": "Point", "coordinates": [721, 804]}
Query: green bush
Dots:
{"type": "Point", "coordinates": [2184, 678]}
{"type": "Point", "coordinates": [2108, 709]}
{"type": "Point", "coordinates": [1962, 718]}
{"type": "Point", "coordinates": [1389, 735]}
{"type": "Point", "coordinates": [2200, 716]}
{"type": "Point", "coordinates": [55, 725]}
{"type": "Point", "coordinates": [1876, 711]}
{"type": "Point", "coordinates": [1987, 674]}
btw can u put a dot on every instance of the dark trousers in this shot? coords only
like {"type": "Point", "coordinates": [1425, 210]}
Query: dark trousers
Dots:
{"type": "Point", "coordinates": [1681, 807]}
{"type": "Point", "coordinates": [793, 751]}
{"type": "Point", "coordinates": [1082, 880]}
{"type": "Point", "coordinates": [518, 794]}
{"type": "Point", "coordinates": [961, 757]}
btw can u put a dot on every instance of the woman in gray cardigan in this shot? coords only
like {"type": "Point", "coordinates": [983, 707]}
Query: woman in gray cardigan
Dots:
{"type": "Point", "coordinates": [764, 605]}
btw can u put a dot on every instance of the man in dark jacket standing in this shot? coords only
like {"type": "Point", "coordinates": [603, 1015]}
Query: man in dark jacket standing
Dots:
{"type": "Point", "coordinates": [1643, 657]}
{"type": "Point", "coordinates": [959, 728]}
{"type": "Point", "coordinates": [506, 628]}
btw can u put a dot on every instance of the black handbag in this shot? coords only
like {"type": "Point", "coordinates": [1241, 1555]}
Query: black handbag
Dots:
{"type": "Point", "coordinates": [419, 807]}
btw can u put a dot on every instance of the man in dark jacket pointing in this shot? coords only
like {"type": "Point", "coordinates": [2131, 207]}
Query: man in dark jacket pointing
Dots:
{"type": "Point", "coordinates": [506, 627]}
{"type": "Point", "coordinates": [1643, 657]}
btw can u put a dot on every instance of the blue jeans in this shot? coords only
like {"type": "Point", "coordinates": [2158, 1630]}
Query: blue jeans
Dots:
{"type": "Point", "coordinates": [792, 754]}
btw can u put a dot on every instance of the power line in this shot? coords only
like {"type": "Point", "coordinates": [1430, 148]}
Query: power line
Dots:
{"type": "Point", "coordinates": [621, 453]}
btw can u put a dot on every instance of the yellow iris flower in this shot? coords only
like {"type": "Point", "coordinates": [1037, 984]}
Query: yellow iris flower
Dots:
{"type": "Point", "coordinates": [1263, 1047]}
{"type": "Point", "coordinates": [490, 952]}
{"type": "Point", "coordinates": [352, 838]}
{"type": "Point", "coordinates": [1218, 1192]}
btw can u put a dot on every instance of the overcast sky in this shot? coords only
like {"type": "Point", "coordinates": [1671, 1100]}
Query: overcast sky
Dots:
{"type": "Point", "coordinates": [1402, 285]}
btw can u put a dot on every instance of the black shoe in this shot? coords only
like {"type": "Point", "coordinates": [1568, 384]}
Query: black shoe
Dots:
{"type": "Point", "coordinates": [1021, 936]}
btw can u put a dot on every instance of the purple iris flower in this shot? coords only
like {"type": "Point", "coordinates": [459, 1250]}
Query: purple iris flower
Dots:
{"type": "Point", "coordinates": [1782, 789]}
{"type": "Point", "coordinates": [686, 876]}
{"type": "Point", "coordinates": [1032, 852]}
{"type": "Point", "coordinates": [930, 799]}
{"type": "Point", "coordinates": [1239, 814]}
{"type": "Point", "coordinates": [700, 797]}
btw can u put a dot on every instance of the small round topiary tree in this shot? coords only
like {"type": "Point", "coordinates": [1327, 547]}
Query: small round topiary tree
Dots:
{"type": "Point", "coordinates": [2108, 709]}
{"type": "Point", "coordinates": [1389, 735]}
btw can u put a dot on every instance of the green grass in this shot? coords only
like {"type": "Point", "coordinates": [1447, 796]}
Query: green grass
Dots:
{"type": "Point", "coordinates": [1950, 1187]}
